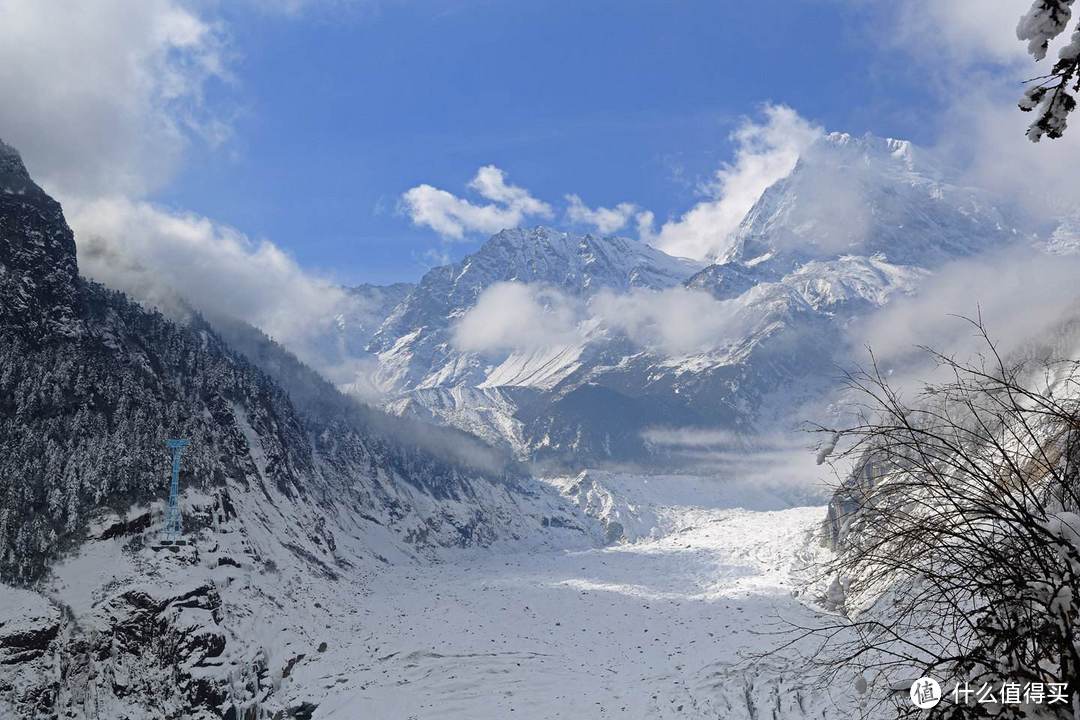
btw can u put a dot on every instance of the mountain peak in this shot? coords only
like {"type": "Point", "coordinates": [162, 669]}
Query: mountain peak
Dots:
{"type": "Point", "coordinates": [414, 342]}
{"type": "Point", "coordinates": [871, 144]}
{"type": "Point", "coordinates": [523, 234]}
{"type": "Point", "coordinates": [868, 195]}
{"type": "Point", "coordinates": [14, 178]}
{"type": "Point", "coordinates": [10, 160]}
{"type": "Point", "coordinates": [574, 262]}
{"type": "Point", "coordinates": [38, 269]}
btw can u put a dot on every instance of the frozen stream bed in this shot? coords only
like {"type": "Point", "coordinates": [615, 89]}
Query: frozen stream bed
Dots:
{"type": "Point", "coordinates": [653, 627]}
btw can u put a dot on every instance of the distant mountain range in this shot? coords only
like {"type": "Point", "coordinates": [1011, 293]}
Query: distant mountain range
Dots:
{"type": "Point", "coordinates": [858, 221]}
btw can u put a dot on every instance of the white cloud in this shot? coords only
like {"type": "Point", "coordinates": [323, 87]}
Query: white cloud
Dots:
{"type": "Point", "coordinates": [674, 321]}
{"type": "Point", "coordinates": [102, 97]}
{"type": "Point", "coordinates": [984, 134]}
{"type": "Point", "coordinates": [514, 316]}
{"type": "Point", "coordinates": [524, 317]}
{"type": "Point", "coordinates": [645, 221]}
{"type": "Point", "coordinates": [150, 252]}
{"type": "Point", "coordinates": [490, 183]}
{"type": "Point", "coordinates": [453, 217]}
{"type": "Point", "coordinates": [605, 220]}
{"type": "Point", "coordinates": [693, 437]}
{"type": "Point", "coordinates": [969, 51]}
{"type": "Point", "coordinates": [964, 31]}
{"type": "Point", "coordinates": [1023, 294]}
{"type": "Point", "coordinates": [765, 152]}
{"type": "Point", "coordinates": [762, 470]}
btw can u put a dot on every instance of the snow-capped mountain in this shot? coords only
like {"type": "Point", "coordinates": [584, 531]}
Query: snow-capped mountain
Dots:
{"type": "Point", "coordinates": [857, 221]}
{"type": "Point", "coordinates": [866, 196]}
{"type": "Point", "coordinates": [414, 346]}
{"type": "Point", "coordinates": [292, 494]}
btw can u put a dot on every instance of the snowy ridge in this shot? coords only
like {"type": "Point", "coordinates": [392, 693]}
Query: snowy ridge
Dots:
{"type": "Point", "coordinates": [488, 413]}
{"type": "Point", "coordinates": [868, 196]}
{"type": "Point", "coordinates": [542, 369]}
{"type": "Point", "coordinates": [859, 221]}
{"type": "Point", "coordinates": [414, 347]}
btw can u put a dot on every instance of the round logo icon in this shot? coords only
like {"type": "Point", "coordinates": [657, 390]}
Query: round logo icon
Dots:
{"type": "Point", "coordinates": [925, 693]}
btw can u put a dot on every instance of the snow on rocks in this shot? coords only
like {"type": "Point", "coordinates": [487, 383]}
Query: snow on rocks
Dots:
{"type": "Point", "coordinates": [660, 625]}
{"type": "Point", "coordinates": [29, 624]}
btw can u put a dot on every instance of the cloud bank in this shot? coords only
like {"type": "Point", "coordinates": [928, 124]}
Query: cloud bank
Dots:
{"type": "Point", "coordinates": [671, 322]}
{"type": "Point", "coordinates": [961, 31]}
{"type": "Point", "coordinates": [517, 317]}
{"type": "Point", "coordinates": [520, 317]}
{"type": "Point", "coordinates": [147, 251]}
{"type": "Point", "coordinates": [103, 100]}
{"type": "Point", "coordinates": [766, 470]}
{"type": "Point", "coordinates": [104, 97]}
{"type": "Point", "coordinates": [969, 53]}
{"type": "Point", "coordinates": [1023, 294]}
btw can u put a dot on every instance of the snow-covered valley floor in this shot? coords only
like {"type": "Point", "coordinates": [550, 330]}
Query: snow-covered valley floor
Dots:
{"type": "Point", "coordinates": [654, 628]}
{"type": "Point", "coordinates": [556, 624]}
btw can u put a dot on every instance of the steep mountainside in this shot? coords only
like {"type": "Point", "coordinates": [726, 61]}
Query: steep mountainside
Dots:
{"type": "Point", "coordinates": [290, 496]}
{"type": "Point", "coordinates": [341, 348]}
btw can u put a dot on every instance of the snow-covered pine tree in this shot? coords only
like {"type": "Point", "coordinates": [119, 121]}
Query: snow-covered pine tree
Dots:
{"type": "Point", "coordinates": [91, 385]}
{"type": "Point", "coordinates": [1050, 96]}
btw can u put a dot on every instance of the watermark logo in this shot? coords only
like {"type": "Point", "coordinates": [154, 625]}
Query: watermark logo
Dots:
{"type": "Point", "coordinates": [1011, 693]}
{"type": "Point", "coordinates": [925, 693]}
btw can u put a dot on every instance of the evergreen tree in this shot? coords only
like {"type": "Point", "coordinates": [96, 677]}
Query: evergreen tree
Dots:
{"type": "Point", "coordinates": [1051, 96]}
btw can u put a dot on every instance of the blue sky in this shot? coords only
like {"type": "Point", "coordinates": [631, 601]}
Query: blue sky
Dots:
{"type": "Point", "coordinates": [336, 110]}
{"type": "Point", "coordinates": [251, 156]}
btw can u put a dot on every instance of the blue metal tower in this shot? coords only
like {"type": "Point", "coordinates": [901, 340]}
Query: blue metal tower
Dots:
{"type": "Point", "coordinates": [173, 527]}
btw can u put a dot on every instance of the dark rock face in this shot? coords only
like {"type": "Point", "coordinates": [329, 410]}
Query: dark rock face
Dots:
{"type": "Point", "coordinates": [91, 385]}
{"type": "Point", "coordinates": [725, 282]}
{"type": "Point", "coordinates": [134, 526]}
{"type": "Point", "coordinates": [133, 661]}
{"type": "Point", "coordinates": [845, 503]}
{"type": "Point", "coordinates": [29, 630]}
{"type": "Point", "coordinates": [148, 652]}
{"type": "Point", "coordinates": [27, 644]}
{"type": "Point", "coordinates": [38, 270]}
